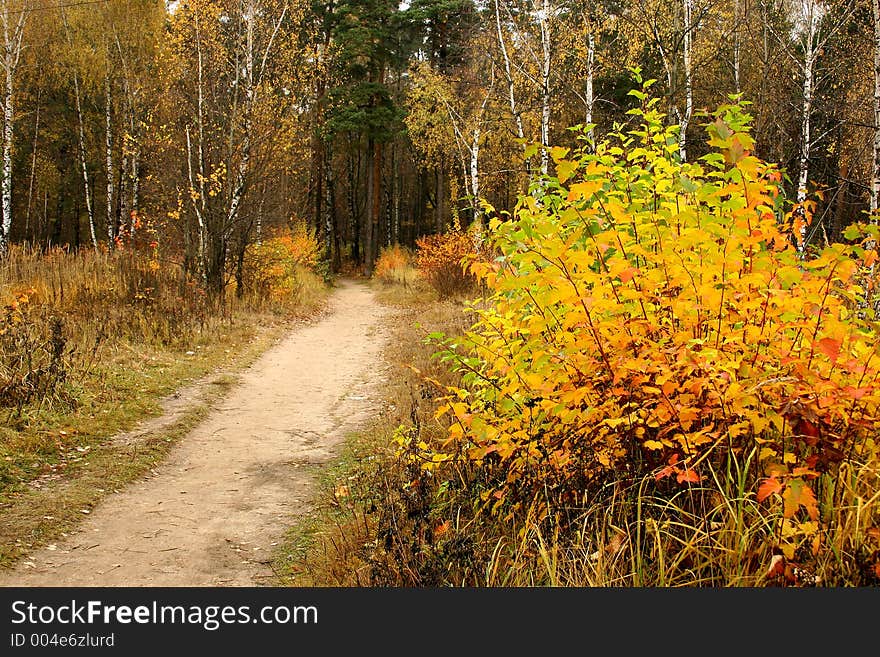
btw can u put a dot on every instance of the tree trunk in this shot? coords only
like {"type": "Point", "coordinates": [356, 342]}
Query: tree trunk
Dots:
{"type": "Point", "coordinates": [737, 47]}
{"type": "Point", "coordinates": [439, 200]}
{"type": "Point", "coordinates": [589, 96]}
{"type": "Point", "coordinates": [8, 117]}
{"type": "Point", "coordinates": [546, 91]}
{"type": "Point", "coordinates": [840, 203]}
{"type": "Point", "coordinates": [354, 224]}
{"type": "Point", "coordinates": [875, 165]}
{"type": "Point", "coordinates": [333, 253]}
{"type": "Point", "coordinates": [199, 208]}
{"type": "Point", "coordinates": [27, 216]}
{"type": "Point", "coordinates": [511, 94]}
{"type": "Point", "coordinates": [374, 206]}
{"type": "Point", "coordinates": [108, 146]}
{"type": "Point", "coordinates": [82, 160]}
{"type": "Point", "coordinates": [82, 144]}
{"type": "Point", "coordinates": [12, 36]}
{"type": "Point", "coordinates": [806, 112]}
{"type": "Point", "coordinates": [216, 267]}
{"type": "Point", "coordinates": [688, 82]}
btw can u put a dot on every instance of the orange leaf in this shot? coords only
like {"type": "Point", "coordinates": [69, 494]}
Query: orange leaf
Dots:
{"type": "Point", "coordinates": [768, 487]}
{"type": "Point", "coordinates": [830, 347]}
{"type": "Point", "coordinates": [441, 529]}
{"type": "Point", "coordinates": [627, 274]}
{"type": "Point", "coordinates": [688, 475]}
{"type": "Point", "coordinates": [798, 494]}
{"type": "Point", "coordinates": [665, 472]}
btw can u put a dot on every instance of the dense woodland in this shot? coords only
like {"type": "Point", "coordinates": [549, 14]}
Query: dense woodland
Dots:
{"type": "Point", "coordinates": [201, 124]}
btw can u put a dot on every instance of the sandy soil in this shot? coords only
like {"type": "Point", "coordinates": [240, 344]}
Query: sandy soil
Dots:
{"type": "Point", "coordinates": [211, 514]}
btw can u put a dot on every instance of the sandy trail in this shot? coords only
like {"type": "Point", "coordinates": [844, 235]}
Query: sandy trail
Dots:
{"type": "Point", "coordinates": [209, 516]}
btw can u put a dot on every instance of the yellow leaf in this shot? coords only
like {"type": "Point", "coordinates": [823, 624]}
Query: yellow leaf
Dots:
{"type": "Point", "coordinates": [584, 189]}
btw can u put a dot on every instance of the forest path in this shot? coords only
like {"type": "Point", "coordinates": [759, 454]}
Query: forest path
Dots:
{"type": "Point", "coordinates": [212, 512]}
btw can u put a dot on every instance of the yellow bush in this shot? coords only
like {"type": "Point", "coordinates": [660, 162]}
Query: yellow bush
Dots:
{"type": "Point", "coordinates": [443, 260]}
{"type": "Point", "coordinates": [271, 266]}
{"type": "Point", "coordinates": [652, 320]}
{"type": "Point", "coordinates": [393, 264]}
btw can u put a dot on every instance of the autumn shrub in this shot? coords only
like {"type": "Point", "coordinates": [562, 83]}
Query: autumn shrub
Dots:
{"type": "Point", "coordinates": [274, 267]}
{"type": "Point", "coordinates": [394, 265]}
{"type": "Point", "coordinates": [35, 360]}
{"type": "Point", "coordinates": [657, 342]}
{"type": "Point", "coordinates": [441, 260]}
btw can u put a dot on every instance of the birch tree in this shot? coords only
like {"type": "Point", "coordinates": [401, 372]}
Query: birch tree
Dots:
{"type": "Point", "coordinates": [875, 160]}
{"type": "Point", "coordinates": [671, 29]}
{"type": "Point", "coordinates": [223, 54]}
{"type": "Point", "coordinates": [526, 35]}
{"type": "Point", "coordinates": [81, 132]}
{"type": "Point", "coordinates": [13, 23]}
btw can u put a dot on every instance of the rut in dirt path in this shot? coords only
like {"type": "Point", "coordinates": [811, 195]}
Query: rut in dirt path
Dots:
{"type": "Point", "coordinates": [211, 513]}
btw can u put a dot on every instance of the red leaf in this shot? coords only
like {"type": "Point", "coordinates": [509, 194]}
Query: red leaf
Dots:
{"type": "Point", "coordinates": [688, 475]}
{"type": "Point", "coordinates": [768, 487]}
{"type": "Point", "coordinates": [830, 347]}
{"type": "Point", "coordinates": [665, 472]}
{"type": "Point", "coordinates": [807, 432]}
{"type": "Point", "coordinates": [857, 393]}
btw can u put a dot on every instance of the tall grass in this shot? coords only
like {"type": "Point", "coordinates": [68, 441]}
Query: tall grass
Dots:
{"type": "Point", "coordinates": [128, 294]}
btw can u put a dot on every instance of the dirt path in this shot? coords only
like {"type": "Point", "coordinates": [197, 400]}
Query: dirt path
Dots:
{"type": "Point", "coordinates": [211, 514]}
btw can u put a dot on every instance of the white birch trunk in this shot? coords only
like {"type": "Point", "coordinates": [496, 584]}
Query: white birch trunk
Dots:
{"type": "Point", "coordinates": [546, 91]}
{"type": "Point", "coordinates": [244, 162]}
{"type": "Point", "coordinates": [8, 118]}
{"type": "Point", "coordinates": [737, 62]}
{"type": "Point", "coordinates": [130, 164]}
{"type": "Point", "coordinates": [82, 141]}
{"type": "Point", "coordinates": [685, 119]}
{"type": "Point", "coordinates": [135, 187]}
{"type": "Point", "coordinates": [875, 165]}
{"type": "Point", "coordinates": [252, 81]}
{"type": "Point", "coordinates": [82, 160]}
{"type": "Point", "coordinates": [475, 170]}
{"type": "Point", "coordinates": [198, 206]}
{"type": "Point", "coordinates": [508, 74]}
{"type": "Point", "coordinates": [13, 31]}
{"type": "Point", "coordinates": [200, 113]}
{"type": "Point", "coordinates": [806, 111]}
{"type": "Point", "coordinates": [108, 147]}
{"type": "Point", "coordinates": [589, 95]}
